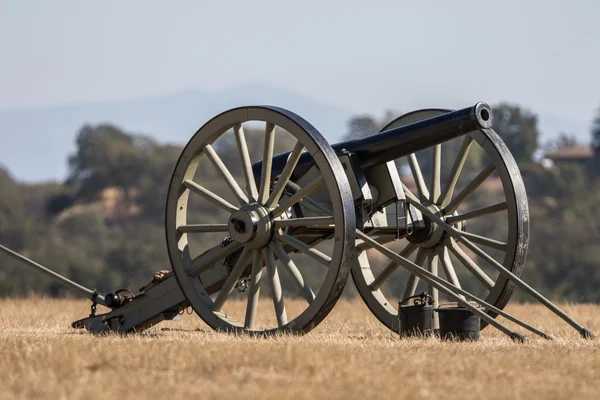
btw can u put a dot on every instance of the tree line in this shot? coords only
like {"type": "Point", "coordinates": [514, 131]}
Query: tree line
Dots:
{"type": "Point", "coordinates": [104, 225]}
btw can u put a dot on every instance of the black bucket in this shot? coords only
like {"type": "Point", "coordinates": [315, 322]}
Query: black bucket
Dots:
{"type": "Point", "coordinates": [416, 319]}
{"type": "Point", "coordinates": [458, 323]}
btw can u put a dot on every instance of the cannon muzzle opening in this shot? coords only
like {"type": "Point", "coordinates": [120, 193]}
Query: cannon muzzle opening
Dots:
{"type": "Point", "coordinates": [484, 115]}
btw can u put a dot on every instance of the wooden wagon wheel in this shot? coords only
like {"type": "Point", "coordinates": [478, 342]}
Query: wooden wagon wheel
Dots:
{"type": "Point", "coordinates": [254, 228]}
{"type": "Point", "coordinates": [432, 248]}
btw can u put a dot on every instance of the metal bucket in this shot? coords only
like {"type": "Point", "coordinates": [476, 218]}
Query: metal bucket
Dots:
{"type": "Point", "coordinates": [416, 319]}
{"type": "Point", "coordinates": [459, 323]}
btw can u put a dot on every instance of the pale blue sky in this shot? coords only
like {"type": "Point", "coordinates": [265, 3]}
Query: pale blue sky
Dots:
{"type": "Point", "coordinates": [362, 56]}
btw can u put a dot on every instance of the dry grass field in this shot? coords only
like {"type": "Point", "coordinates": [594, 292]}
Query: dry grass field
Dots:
{"type": "Point", "coordinates": [348, 356]}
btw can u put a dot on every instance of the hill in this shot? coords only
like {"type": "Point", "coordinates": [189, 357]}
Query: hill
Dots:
{"type": "Point", "coordinates": [36, 141]}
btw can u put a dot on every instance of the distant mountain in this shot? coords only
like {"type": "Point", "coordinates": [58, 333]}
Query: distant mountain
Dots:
{"type": "Point", "coordinates": [35, 142]}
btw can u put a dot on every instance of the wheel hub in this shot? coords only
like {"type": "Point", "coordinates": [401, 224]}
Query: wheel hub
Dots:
{"type": "Point", "coordinates": [251, 225]}
{"type": "Point", "coordinates": [433, 234]}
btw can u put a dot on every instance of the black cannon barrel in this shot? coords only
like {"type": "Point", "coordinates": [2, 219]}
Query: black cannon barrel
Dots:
{"type": "Point", "coordinates": [399, 142]}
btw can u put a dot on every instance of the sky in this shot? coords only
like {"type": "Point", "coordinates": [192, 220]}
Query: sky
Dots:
{"type": "Point", "coordinates": [362, 56]}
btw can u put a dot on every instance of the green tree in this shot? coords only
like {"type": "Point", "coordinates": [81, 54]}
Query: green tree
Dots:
{"type": "Point", "coordinates": [519, 130]}
{"type": "Point", "coordinates": [596, 131]}
{"type": "Point", "coordinates": [360, 126]}
{"type": "Point", "coordinates": [12, 212]}
{"type": "Point", "coordinates": [564, 140]}
{"type": "Point", "coordinates": [106, 156]}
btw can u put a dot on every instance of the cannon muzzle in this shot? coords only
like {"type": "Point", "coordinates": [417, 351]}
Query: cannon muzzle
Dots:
{"type": "Point", "coordinates": [399, 142]}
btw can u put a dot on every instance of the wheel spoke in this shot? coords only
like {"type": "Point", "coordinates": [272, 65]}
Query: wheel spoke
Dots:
{"type": "Point", "coordinates": [448, 267]}
{"type": "Point", "coordinates": [208, 259]}
{"type": "Point", "coordinates": [456, 170]}
{"type": "Point", "coordinates": [200, 228]}
{"type": "Point", "coordinates": [362, 245]}
{"type": "Point", "coordinates": [494, 244]}
{"type": "Point", "coordinates": [290, 266]}
{"type": "Point", "coordinates": [418, 176]}
{"type": "Point", "coordinates": [210, 196]}
{"type": "Point", "coordinates": [470, 264]}
{"type": "Point", "coordinates": [453, 246]}
{"type": "Point", "coordinates": [433, 268]}
{"type": "Point", "coordinates": [409, 195]}
{"type": "Point", "coordinates": [296, 197]}
{"type": "Point", "coordinates": [240, 139]}
{"type": "Point", "coordinates": [304, 248]}
{"type": "Point", "coordinates": [391, 267]}
{"type": "Point", "coordinates": [436, 170]}
{"type": "Point", "coordinates": [308, 221]}
{"type": "Point", "coordinates": [469, 189]}
{"type": "Point", "coordinates": [315, 207]}
{"type": "Point", "coordinates": [285, 175]}
{"type": "Point", "coordinates": [413, 280]}
{"type": "Point", "coordinates": [254, 290]}
{"type": "Point", "coordinates": [265, 180]}
{"type": "Point", "coordinates": [477, 213]}
{"type": "Point", "coordinates": [275, 283]}
{"type": "Point", "coordinates": [232, 279]}
{"type": "Point", "coordinates": [229, 179]}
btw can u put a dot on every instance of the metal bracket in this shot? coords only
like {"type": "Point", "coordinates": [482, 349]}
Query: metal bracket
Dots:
{"type": "Point", "coordinates": [94, 306]}
{"type": "Point", "coordinates": [154, 305]}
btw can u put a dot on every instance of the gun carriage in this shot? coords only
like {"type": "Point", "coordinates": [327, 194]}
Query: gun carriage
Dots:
{"type": "Point", "coordinates": [288, 207]}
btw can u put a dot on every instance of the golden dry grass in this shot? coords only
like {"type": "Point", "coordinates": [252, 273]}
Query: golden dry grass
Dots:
{"type": "Point", "coordinates": [350, 355]}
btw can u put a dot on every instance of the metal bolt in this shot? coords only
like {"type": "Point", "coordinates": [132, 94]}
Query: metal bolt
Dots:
{"type": "Point", "coordinates": [239, 225]}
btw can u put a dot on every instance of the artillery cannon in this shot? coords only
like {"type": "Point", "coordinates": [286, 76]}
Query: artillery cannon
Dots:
{"type": "Point", "coordinates": [321, 212]}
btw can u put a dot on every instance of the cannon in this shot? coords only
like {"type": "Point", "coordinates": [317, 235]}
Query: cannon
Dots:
{"type": "Point", "coordinates": [287, 215]}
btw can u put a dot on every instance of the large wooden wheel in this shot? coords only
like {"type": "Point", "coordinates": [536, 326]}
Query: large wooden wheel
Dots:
{"type": "Point", "coordinates": [228, 245]}
{"type": "Point", "coordinates": [479, 192]}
